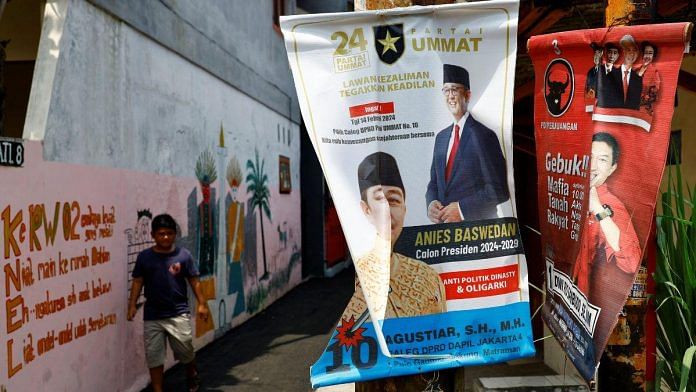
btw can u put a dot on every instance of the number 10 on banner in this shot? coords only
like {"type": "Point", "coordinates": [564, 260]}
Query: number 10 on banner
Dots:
{"type": "Point", "coordinates": [350, 338]}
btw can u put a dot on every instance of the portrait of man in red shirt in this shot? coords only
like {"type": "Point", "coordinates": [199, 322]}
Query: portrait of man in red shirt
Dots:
{"type": "Point", "coordinates": [609, 249]}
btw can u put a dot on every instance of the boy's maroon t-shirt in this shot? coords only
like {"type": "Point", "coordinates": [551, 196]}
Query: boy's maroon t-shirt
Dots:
{"type": "Point", "coordinates": [164, 277]}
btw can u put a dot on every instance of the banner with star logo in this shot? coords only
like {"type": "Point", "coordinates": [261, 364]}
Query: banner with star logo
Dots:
{"type": "Point", "coordinates": [410, 113]}
{"type": "Point", "coordinates": [389, 42]}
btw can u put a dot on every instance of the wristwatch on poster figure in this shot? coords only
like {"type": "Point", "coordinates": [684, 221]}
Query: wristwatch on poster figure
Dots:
{"type": "Point", "coordinates": [605, 213]}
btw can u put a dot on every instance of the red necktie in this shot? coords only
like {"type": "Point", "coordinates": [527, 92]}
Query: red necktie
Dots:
{"type": "Point", "coordinates": [452, 154]}
{"type": "Point", "coordinates": [625, 84]}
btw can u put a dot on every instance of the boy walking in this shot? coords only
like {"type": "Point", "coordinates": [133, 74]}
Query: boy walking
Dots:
{"type": "Point", "coordinates": [164, 270]}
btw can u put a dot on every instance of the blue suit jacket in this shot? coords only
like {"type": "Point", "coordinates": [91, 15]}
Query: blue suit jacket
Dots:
{"type": "Point", "coordinates": [478, 181]}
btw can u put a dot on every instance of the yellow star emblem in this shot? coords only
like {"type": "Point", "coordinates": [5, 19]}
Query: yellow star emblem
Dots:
{"type": "Point", "coordinates": [388, 43]}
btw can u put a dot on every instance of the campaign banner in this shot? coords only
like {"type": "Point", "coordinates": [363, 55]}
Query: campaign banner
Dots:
{"type": "Point", "coordinates": [409, 111]}
{"type": "Point", "coordinates": [603, 107]}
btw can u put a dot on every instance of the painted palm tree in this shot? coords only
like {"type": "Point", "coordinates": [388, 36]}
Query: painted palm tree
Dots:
{"type": "Point", "coordinates": [257, 185]}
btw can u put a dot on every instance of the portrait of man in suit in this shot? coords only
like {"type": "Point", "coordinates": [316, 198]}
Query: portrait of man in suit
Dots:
{"type": "Point", "coordinates": [467, 176]}
{"type": "Point", "coordinates": [593, 73]}
{"type": "Point", "coordinates": [613, 54]}
{"type": "Point", "coordinates": [621, 87]}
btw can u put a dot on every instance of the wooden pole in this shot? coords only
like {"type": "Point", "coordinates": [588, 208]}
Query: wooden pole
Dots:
{"type": "Point", "coordinates": [621, 13]}
{"type": "Point", "coordinates": [363, 5]}
{"type": "Point", "coordinates": [2, 7]}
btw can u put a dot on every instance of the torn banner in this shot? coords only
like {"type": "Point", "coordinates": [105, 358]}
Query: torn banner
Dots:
{"type": "Point", "coordinates": [410, 112]}
{"type": "Point", "coordinates": [603, 107]}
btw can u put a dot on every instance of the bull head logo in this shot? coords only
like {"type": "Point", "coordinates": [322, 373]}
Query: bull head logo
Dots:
{"type": "Point", "coordinates": [559, 88]}
{"type": "Point", "coordinates": [555, 91]}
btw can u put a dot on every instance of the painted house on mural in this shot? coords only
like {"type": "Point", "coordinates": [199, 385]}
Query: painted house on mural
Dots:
{"type": "Point", "coordinates": [114, 111]}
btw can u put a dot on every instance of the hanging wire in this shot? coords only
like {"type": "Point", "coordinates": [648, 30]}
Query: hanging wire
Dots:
{"type": "Point", "coordinates": [536, 288]}
{"type": "Point", "coordinates": [433, 385]}
{"type": "Point", "coordinates": [543, 300]}
{"type": "Point", "coordinates": [544, 338]}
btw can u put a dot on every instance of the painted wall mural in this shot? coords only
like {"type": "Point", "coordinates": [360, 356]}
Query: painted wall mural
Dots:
{"type": "Point", "coordinates": [257, 187]}
{"type": "Point", "coordinates": [139, 239]}
{"type": "Point", "coordinates": [207, 215]}
{"type": "Point", "coordinates": [207, 237]}
{"type": "Point", "coordinates": [70, 235]}
{"type": "Point", "coordinates": [234, 245]}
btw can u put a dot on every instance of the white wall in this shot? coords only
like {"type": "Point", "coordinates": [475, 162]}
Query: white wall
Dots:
{"type": "Point", "coordinates": [127, 102]}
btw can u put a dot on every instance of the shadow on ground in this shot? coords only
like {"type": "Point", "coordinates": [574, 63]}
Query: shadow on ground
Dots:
{"type": "Point", "coordinates": [273, 350]}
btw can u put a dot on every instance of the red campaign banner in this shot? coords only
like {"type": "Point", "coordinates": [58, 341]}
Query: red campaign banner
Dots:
{"type": "Point", "coordinates": [480, 283]}
{"type": "Point", "coordinates": [371, 108]}
{"type": "Point", "coordinates": [603, 106]}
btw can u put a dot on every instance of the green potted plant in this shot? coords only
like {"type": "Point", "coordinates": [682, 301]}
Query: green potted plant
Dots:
{"type": "Point", "coordinates": [675, 278]}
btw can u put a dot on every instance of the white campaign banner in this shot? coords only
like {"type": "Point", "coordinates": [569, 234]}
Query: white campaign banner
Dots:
{"type": "Point", "coordinates": [410, 113]}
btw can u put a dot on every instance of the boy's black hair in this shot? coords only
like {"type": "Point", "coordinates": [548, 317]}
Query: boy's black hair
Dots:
{"type": "Point", "coordinates": [163, 221]}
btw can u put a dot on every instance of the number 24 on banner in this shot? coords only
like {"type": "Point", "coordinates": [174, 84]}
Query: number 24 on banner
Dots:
{"type": "Point", "coordinates": [356, 40]}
